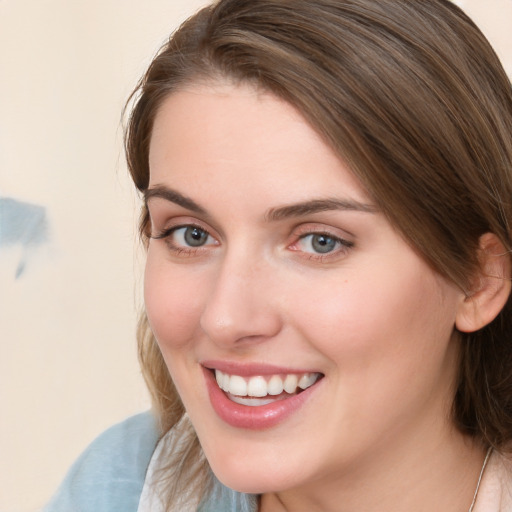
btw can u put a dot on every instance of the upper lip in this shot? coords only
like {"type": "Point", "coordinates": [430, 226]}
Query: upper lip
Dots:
{"type": "Point", "coordinates": [252, 369]}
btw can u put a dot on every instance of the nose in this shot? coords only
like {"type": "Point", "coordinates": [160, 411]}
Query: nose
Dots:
{"type": "Point", "coordinates": [241, 305]}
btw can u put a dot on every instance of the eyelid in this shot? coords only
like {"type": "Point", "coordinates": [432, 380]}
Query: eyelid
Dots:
{"type": "Point", "coordinates": [168, 231]}
{"type": "Point", "coordinates": [164, 213]}
{"type": "Point", "coordinates": [314, 228]}
{"type": "Point", "coordinates": [177, 222]}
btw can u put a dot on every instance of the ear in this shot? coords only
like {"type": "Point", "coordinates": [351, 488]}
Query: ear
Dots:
{"type": "Point", "coordinates": [491, 287]}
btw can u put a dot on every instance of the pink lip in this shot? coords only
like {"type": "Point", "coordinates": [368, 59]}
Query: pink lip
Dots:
{"type": "Point", "coordinates": [253, 418]}
{"type": "Point", "coordinates": [252, 369]}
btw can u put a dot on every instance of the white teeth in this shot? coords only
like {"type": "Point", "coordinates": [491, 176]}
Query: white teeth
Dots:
{"type": "Point", "coordinates": [225, 382]}
{"type": "Point", "coordinates": [290, 383]}
{"type": "Point", "coordinates": [219, 377]}
{"type": "Point", "coordinates": [275, 385]}
{"type": "Point", "coordinates": [308, 379]}
{"type": "Point", "coordinates": [238, 386]}
{"type": "Point", "coordinates": [251, 402]}
{"type": "Point", "coordinates": [259, 386]}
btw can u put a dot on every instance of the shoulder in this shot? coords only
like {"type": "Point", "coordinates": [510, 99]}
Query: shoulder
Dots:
{"type": "Point", "coordinates": [110, 473]}
{"type": "Point", "coordinates": [171, 448]}
{"type": "Point", "coordinates": [495, 492]}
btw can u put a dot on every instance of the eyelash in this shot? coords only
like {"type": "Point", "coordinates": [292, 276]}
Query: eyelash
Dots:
{"type": "Point", "coordinates": [342, 246]}
{"type": "Point", "coordinates": [182, 250]}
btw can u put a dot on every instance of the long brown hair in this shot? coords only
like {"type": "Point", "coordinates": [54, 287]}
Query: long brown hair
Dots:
{"type": "Point", "coordinates": [413, 98]}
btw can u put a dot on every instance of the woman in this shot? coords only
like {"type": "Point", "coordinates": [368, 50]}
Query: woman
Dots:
{"type": "Point", "coordinates": [327, 218]}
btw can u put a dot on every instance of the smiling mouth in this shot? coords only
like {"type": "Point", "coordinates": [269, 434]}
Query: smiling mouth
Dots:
{"type": "Point", "coordinates": [258, 390]}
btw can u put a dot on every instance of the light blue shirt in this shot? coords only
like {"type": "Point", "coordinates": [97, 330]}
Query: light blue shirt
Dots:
{"type": "Point", "coordinates": [109, 475]}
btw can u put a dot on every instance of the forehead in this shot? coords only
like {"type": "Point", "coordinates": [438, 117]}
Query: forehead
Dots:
{"type": "Point", "coordinates": [223, 116]}
{"type": "Point", "coordinates": [229, 135]}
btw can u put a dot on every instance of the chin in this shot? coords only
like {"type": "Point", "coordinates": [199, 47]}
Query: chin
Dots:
{"type": "Point", "coordinates": [250, 482]}
{"type": "Point", "coordinates": [252, 475]}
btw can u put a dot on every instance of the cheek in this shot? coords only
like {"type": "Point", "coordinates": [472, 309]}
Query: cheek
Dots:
{"type": "Point", "coordinates": [387, 340]}
{"type": "Point", "coordinates": [173, 303]}
{"type": "Point", "coordinates": [379, 316]}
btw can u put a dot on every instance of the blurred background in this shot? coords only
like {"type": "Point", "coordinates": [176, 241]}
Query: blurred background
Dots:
{"type": "Point", "coordinates": [70, 264]}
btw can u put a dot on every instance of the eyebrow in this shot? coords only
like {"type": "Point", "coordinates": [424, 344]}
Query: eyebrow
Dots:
{"type": "Point", "coordinates": [174, 197]}
{"type": "Point", "coordinates": [274, 214]}
{"type": "Point", "coordinates": [317, 206]}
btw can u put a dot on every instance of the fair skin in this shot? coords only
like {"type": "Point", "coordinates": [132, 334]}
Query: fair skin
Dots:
{"type": "Point", "coordinates": [236, 281]}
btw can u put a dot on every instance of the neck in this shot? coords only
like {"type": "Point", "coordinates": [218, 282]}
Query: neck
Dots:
{"type": "Point", "coordinates": [416, 475]}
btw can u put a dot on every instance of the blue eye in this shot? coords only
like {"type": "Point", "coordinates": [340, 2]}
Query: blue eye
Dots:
{"type": "Point", "coordinates": [322, 244]}
{"type": "Point", "coordinates": [191, 236]}
{"type": "Point", "coordinates": [186, 239]}
{"type": "Point", "coordinates": [319, 243]}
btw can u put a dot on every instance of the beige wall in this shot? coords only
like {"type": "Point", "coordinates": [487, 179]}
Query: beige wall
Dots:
{"type": "Point", "coordinates": [68, 365]}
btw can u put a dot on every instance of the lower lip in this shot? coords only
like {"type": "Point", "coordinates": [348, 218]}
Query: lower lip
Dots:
{"type": "Point", "coordinates": [254, 418]}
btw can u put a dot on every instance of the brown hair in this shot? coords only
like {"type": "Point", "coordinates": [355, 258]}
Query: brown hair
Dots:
{"type": "Point", "coordinates": [413, 98]}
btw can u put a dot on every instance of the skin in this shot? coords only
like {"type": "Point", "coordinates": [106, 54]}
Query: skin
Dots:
{"type": "Point", "coordinates": [370, 315]}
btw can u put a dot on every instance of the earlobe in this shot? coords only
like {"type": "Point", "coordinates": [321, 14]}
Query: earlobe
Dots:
{"type": "Point", "coordinates": [491, 289]}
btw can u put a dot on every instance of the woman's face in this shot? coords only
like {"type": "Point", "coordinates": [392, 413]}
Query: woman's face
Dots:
{"type": "Point", "coordinates": [270, 267]}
